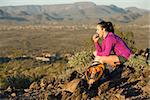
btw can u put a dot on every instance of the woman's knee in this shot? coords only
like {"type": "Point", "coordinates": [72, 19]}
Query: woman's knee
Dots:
{"type": "Point", "coordinates": [98, 59]}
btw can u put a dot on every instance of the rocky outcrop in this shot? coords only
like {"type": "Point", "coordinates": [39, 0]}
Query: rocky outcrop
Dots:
{"type": "Point", "coordinates": [128, 81]}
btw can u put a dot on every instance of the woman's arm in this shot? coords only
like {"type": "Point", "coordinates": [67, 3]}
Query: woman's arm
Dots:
{"type": "Point", "coordinates": [98, 47]}
{"type": "Point", "coordinates": [108, 45]}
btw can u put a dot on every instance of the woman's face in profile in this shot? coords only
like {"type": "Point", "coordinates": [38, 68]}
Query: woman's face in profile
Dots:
{"type": "Point", "coordinates": [99, 30]}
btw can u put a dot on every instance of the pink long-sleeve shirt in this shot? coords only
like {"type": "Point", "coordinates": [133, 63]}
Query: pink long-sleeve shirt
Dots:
{"type": "Point", "coordinates": [114, 43]}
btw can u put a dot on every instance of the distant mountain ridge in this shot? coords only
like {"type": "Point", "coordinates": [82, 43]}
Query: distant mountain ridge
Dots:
{"type": "Point", "coordinates": [80, 11]}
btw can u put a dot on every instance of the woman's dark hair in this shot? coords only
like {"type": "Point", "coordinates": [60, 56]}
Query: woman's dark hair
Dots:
{"type": "Point", "coordinates": [107, 25]}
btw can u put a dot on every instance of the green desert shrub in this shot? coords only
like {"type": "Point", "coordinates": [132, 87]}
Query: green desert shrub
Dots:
{"type": "Point", "coordinates": [128, 37]}
{"type": "Point", "coordinates": [18, 81]}
{"type": "Point", "coordinates": [138, 63]}
{"type": "Point", "coordinates": [80, 60]}
{"type": "Point", "coordinates": [14, 52]}
{"type": "Point", "coordinates": [139, 66]}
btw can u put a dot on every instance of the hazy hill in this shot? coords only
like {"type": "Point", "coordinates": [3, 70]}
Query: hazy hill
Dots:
{"type": "Point", "coordinates": [64, 12]}
{"type": "Point", "coordinates": [136, 10]}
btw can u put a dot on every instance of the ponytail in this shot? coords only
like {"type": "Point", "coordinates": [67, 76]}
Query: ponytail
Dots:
{"type": "Point", "coordinates": [110, 27]}
{"type": "Point", "coordinates": [107, 25]}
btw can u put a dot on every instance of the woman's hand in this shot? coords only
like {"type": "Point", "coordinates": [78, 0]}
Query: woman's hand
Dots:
{"type": "Point", "coordinates": [95, 38]}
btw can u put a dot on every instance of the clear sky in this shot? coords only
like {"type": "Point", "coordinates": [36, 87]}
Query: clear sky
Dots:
{"type": "Point", "coordinates": [120, 3]}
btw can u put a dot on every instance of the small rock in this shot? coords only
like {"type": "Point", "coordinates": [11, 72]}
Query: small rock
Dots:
{"type": "Point", "coordinates": [120, 97]}
{"type": "Point", "coordinates": [96, 98]}
{"type": "Point", "coordinates": [99, 92]}
{"type": "Point", "coordinates": [46, 94]}
{"type": "Point", "coordinates": [71, 86]}
{"type": "Point", "coordinates": [10, 71]}
{"type": "Point", "coordinates": [13, 94]}
{"type": "Point", "coordinates": [26, 94]}
{"type": "Point", "coordinates": [46, 54]}
{"type": "Point", "coordinates": [76, 95]}
{"type": "Point", "coordinates": [42, 59]}
{"type": "Point", "coordinates": [34, 86]}
{"type": "Point", "coordinates": [104, 87]}
{"type": "Point", "coordinates": [43, 83]}
{"type": "Point", "coordinates": [9, 89]}
{"type": "Point", "coordinates": [84, 96]}
{"type": "Point", "coordinates": [50, 86]}
{"type": "Point", "coordinates": [65, 95]}
{"type": "Point", "coordinates": [68, 55]}
{"type": "Point", "coordinates": [146, 89]}
{"type": "Point", "coordinates": [26, 90]}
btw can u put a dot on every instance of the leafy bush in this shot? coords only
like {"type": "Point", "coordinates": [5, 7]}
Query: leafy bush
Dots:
{"type": "Point", "coordinates": [127, 37]}
{"type": "Point", "coordinates": [18, 81]}
{"type": "Point", "coordinates": [137, 62]}
{"type": "Point", "coordinates": [80, 60]}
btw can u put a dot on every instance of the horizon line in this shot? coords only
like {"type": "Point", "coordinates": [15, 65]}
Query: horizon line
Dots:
{"type": "Point", "coordinates": [68, 4]}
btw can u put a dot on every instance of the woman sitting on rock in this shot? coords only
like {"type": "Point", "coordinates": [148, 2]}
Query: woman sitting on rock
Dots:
{"type": "Point", "coordinates": [110, 42]}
